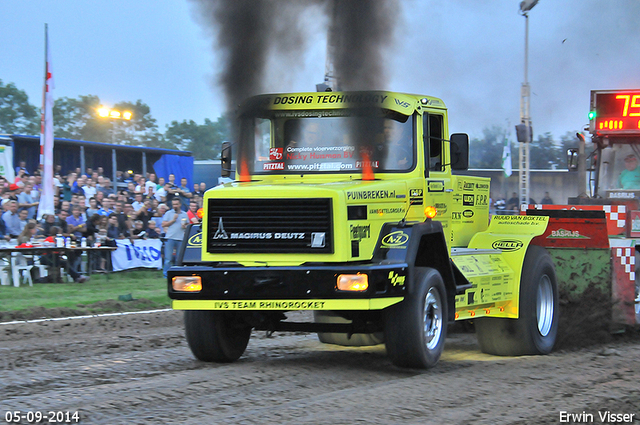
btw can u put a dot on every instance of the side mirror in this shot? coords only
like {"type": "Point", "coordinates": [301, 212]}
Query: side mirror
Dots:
{"type": "Point", "coordinates": [225, 157]}
{"type": "Point", "coordinates": [459, 151]}
{"type": "Point", "coordinates": [572, 159]}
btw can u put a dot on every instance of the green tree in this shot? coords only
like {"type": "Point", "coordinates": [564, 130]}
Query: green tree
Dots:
{"type": "Point", "coordinates": [17, 115]}
{"type": "Point", "coordinates": [544, 153]}
{"type": "Point", "coordinates": [78, 119]}
{"type": "Point", "coordinates": [141, 130]}
{"type": "Point", "coordinates": [204, 141]}
{"type": "Point", "coordinates": [487, 151]}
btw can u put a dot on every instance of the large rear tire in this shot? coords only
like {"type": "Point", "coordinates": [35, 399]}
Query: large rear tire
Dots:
{"type": "Point", "coordinates": [356, 340]}
{"type": "Point", "coordinates": [535, 330]}
{"type": "Point", "coordinates": [215, 336]}
{"type": "Point", "coordinates": [416, 328]}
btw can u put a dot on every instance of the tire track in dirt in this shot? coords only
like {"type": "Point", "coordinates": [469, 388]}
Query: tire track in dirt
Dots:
{"type": "Point", "coordinates": [130, 370]}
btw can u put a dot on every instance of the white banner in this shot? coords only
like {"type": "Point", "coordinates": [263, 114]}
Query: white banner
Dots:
{"type": "Point", "coordinates": [141, 253]}
{"type": "Point", "coordinates": [6, 163]}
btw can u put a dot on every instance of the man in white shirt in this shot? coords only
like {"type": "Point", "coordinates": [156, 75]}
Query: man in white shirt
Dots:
{"type": "Point", "coordinates": [151, 183]}
{"type": "Point", "coordinates": [138, 203]}
{"type": "Point", "coordinates": [89, 190]}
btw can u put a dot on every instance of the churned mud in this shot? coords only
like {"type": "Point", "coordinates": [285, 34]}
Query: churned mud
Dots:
{"type": "Point", "coordinates": [138, 369]}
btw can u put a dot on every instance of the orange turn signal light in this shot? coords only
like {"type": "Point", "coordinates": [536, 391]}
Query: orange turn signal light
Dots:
{"type": "Point", "coordinates": [200, 213]}
{"type": "Point", "coordinates": [430, 211]}
{"type": "Point", "coordinates": [187, 283]}
{"type": "Point", "coordinates": [353, 282]}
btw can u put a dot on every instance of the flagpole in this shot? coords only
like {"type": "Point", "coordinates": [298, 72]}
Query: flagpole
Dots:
{"type": "Point", "coordinates": [45, 205]}
{"type": "Point", "coordinates": [44, 94]}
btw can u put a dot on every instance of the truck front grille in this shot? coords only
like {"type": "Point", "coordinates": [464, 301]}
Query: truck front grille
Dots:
{"type": "Point", "coordinates": [270, 226]}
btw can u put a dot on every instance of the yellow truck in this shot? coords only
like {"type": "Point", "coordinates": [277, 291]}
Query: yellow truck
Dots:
{"type": "Point", "coordinates": [347, 204]}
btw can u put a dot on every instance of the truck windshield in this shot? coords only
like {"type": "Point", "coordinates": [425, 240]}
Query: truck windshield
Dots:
{"type": "Point", "coordinates": [302, 142]}
{"type": "Point", "coordinates": [619, 171]}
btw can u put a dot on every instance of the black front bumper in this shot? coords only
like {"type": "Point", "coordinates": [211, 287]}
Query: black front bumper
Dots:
{"type": "Point", "coordinates": [305, 282]}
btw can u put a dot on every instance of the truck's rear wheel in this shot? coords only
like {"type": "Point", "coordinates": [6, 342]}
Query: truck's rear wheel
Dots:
{"type": "Point", "coordinates": [356, 340]}
{"type": "Point", "coordinates": [215, 336]}
{"type": "Point", "coordinates": [535, 331]}
{"type": "Point", "coordinates": [416, 328]}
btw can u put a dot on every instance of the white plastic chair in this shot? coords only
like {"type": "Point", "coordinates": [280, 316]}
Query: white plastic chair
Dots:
{"type": "Point", "coordinates": [20, 269]}
{"type": "Point", "coordinates": [5, 266]}
{"type": "Point", "coordinates": [4, 277]}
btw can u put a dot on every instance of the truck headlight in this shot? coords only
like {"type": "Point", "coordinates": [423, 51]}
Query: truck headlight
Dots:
{"type": "Point", "coordinates": [187, 283]}
{"type": "Point", "coordinates": [353, 282]}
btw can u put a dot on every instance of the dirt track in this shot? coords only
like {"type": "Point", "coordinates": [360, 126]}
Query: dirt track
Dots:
{"type": "Point", "coordinates": [139, 370]}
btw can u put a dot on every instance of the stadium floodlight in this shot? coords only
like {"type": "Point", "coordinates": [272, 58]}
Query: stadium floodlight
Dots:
{"type": "Point", "coordinates": [527, 5]}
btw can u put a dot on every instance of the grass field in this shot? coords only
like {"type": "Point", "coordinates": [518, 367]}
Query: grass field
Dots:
{"type": "Point", "coordinates": [148, 289]}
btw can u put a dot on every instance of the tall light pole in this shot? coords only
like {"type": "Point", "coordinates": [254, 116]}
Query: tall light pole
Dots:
{"type": "Point", "coordinates": [524, 132]}
{"type": "Point", "coordinates": [114, 115]}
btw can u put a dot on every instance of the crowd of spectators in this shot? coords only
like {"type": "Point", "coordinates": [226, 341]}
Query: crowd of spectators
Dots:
{"type": "Point", "coordinates": [89, 205]}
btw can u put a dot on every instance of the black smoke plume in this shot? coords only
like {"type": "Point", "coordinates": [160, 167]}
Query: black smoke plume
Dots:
{"type": "Point", "coordinates": [362, 31]}
{"type": "Point", "coordinates": [247, 32]}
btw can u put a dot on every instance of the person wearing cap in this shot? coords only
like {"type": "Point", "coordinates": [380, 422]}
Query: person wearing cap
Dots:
{"type": "Point", "coordinates": [630, 176]}
{"type": "Point", "coordinates": [14, 191]}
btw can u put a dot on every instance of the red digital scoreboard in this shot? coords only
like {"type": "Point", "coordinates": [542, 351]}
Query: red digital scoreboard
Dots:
{"type": "Point", "coordinates": [615, 112]}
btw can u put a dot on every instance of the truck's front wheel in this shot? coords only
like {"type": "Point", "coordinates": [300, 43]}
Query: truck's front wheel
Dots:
{"type": "Point", "coordinates": [535, 330]}
{"type": "Point", "coordinates": [215, 336]}
{"type": "Point", "coordinates": [416, 328]}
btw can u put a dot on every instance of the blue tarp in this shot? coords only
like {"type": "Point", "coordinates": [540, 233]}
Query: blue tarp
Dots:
{"type": "Point", "coordinates": [181, 166]}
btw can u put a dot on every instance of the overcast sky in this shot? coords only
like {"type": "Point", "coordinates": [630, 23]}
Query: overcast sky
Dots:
{"type": "Point", "coordinates": [470, 53]}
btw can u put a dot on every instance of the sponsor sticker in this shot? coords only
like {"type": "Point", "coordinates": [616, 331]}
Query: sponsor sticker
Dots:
{"type": "Point", "coordinates": [359, 232]}
{"type": "Point", "coordinates": [382, 211]}
{"type": "Point", "coordinates": [370, 194]}
{"type": "Point", "coordinates": [622, 195]}
{"type": "Point", "coordinates": [395, 239]}
{"type": "Point", "coordinates": [441, 207]}
{"type": "Point", "coordinates": [396, 279]}
{"type": "Point", "coordinates": [507, 245]}
{"type": "Point", "coordinates": [416, 196]}
{"type": "Point", "coordinates": [566, 234]}
{"type": "Point", "coordinates": [275, 154]}
{"type": "Point", "coordinates": [467, 200]}
{"type": "Point", "coordinates": [195, 240]}
{"type": "Point", "coordinates": [273, 166]}
{"type": "Point", "coordinates": [435, 186]}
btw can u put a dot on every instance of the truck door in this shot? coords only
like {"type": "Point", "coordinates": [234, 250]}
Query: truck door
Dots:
{"type": "Point", "coordinates": [438, 184]}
